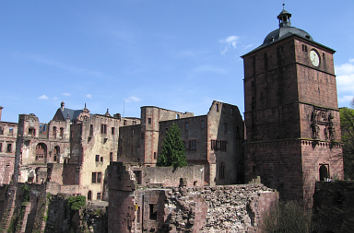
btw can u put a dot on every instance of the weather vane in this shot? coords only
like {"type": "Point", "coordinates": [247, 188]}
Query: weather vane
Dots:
{"type": "Point", "coordinates": [283, 4]}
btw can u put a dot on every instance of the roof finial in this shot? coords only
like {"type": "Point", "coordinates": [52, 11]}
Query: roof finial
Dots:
{"type": "Point", "coordinates": [85, 105]}
{"type": "Point", "coordinates": [283, 4]}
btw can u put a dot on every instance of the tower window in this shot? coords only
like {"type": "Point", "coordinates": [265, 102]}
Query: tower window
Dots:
{"type": "Point", "coordinates": [54, 132]}
{"type": "Point", "coordinates": [304, 48]}
{"type": "Point", "coordinates": [149, 121]}
{"type": "Point", "coordinates": [113, 130]}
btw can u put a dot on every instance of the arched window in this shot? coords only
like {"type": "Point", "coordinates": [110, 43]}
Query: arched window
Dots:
{"type": "Point", "coordinates": [324, 172]}
{"type": "Point", "coordinates": [41, 152]}
{"type": "Point", "coordinates": [89, 195]}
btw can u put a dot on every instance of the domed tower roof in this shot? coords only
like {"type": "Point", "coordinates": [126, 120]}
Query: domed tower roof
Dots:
{"type": "Point", "coordinates": [285, 29]}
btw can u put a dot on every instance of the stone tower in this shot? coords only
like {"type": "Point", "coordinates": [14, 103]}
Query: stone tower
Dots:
{"type": "Point", "coordinates": [291, 113]}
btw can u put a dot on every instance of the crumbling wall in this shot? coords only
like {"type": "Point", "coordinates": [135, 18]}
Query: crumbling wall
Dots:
{"type": "Point", "coordinates": [333, 207]}
{"type": "Point", "coordinates": [234, 208]}
{"type": "Point", "coordinates": [170, 177]}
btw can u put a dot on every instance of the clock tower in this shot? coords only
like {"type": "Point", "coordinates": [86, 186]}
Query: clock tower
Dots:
{"type": "Point", "coordinates": [291, 113]}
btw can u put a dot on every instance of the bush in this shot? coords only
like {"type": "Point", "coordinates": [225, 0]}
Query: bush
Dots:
{"type": "Point", "coordinates": [77, 202]}
{"type": "Point", "coordinates": [287, 217]}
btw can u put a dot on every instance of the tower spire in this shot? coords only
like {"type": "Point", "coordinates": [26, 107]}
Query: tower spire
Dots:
{"type": "Point", "coordinates": [284, 18]}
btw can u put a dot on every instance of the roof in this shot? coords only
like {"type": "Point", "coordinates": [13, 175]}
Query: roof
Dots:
{"type": "Point", "coordinates": [70, 113]}
{"type": "Point", "coordinates": [284, 31]}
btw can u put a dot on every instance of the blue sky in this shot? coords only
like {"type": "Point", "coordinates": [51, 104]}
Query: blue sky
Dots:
{"type": "Point", "coordinates": [123, 54]}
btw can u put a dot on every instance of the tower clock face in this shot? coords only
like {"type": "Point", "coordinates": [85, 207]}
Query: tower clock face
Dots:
{"type": "Point", "coordinates": [315, 59]}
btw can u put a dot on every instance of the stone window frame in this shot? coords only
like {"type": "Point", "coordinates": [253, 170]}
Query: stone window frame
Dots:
{"type": "Point", "coordinates": [9, 148]}
{"type": "Point", "coordinates": [99, 196]}
{"type": "Point", "coordinates": [0, 146]}
{"type": "Point", "coordinates": [61, 133]}
{"type": "Point", "coordinates": [96, 177]}
{"type": "Point", "coordinates": [1, 130]}
{"type": "Point", "coordinates": [11, 131]}
{"type": "Point", "coordinates": [54, 132]}
{"type": "Point", "coordinates": [103, 128]}
{"type": "Point", "coordinates": [97, 158]}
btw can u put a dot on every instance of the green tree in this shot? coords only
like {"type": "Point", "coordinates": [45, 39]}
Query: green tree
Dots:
{"type": "Point", "coordinates": [173, 151]}
{"type": "Point", "coordinates": [347, 128]}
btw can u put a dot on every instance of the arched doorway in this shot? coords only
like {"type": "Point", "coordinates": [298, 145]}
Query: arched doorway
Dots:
{"type": "Point", "coordinates": [41, 153]}
{"type": "Point", "coordinates": [56, 154]}
{"type": "Point", "coordinates": [324, 172]}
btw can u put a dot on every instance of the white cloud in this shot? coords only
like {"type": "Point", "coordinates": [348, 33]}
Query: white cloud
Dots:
{"type": "Point", "coordinates": [229, 42]}
{"type": "Point", "coordinates": [43, 97]}
{"type": "Point", "coordinates": [89, 96]}
{"type": "Point", "coordinates": [345, 99]}
{"type": "Point", "coordinates": [345, 82]}
{"type": "Point", "coordinates": [131, 99]}
{"type": "Point", "coordinates": [345, 76]}
{"type": "Point", "coordinates": [66, 94]}
{"type": "Point", "coordinates": [209, 68]}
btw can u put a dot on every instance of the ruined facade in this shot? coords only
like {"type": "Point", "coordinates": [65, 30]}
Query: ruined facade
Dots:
{"type": "Point", "coordinates": [213, 140]}
{"type": "Point", "coordinates": [183, 206]}
{"type": "Point", "coordinates": [291, 113]}
{"type": "Point", "coordinates": [8, 134]}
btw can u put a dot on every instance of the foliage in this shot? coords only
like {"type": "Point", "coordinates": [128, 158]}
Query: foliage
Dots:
{"type": "Point", "coordinates": [287, 217]}
{"type": "Point", "coordinates": [347, 128]}
{"type": "Point", "coordinates": [173, 151]}
{"type": "Point", "coordinates": [77, 202]}
{"type": "Point", "coordinates": [26, 193]}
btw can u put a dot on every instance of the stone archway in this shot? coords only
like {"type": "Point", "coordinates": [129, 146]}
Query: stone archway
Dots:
{"type": "Point", "coordinates": [41, 153]}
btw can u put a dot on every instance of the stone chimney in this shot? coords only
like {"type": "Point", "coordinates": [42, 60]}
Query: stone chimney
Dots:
{"type": "Point", "coordinates": [0, 111]}
{"type": "Point", "coordinates": [62, 105]}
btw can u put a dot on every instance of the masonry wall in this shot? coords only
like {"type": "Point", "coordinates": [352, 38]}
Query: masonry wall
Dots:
{"type": "Point", "coordinates": [170, 177]}
{"type": "Point", "coordinates": [8, 133]}
{"type": "Point", "coordinates": [99, 144]}
{"type": "Point", "coordinates": [235, 208]}
{"type": "Point", "coordinates": [130, 144]}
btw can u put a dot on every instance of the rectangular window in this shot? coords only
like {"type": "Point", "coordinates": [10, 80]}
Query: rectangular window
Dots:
{"type": "Point", "coordinates": [99, 177]}
{"type": "Point", "coordinates": [125, 122]}
{"type": "Point", "coordinates": [101, 159]}
{"type": "Point", "coordinates": [32, 132]}
{"type": "Point", "coordinates": [9, 148]}
{"type": "Point", "coordinates": [91, 130]}
{"type": "Point", "coordinates": [1, 130]}
{"type": "Point", "coordinates": [149, 121]}
{"type": "Point", "coordinates": [217, 108]}
{"type": "Point", "coordinates": [111, 156]}
{"type": "Point", "coordinates": [11, 131]}
{"type": "Point", "coordinates": [54, 132]}
{"type": "Point", "coordinates": [113, 130]}
{"type": "Point", "coordinates": [192, 145]}
{"type": "Point", "coordinates": [138, 177]}
{"type": "Point", "coordinates": [153, 212]}
{"type": "Point", "coordinates": [93, 180]}
{"type": "Point", "coordinates": [97, 158]}
{"type": "Point", "coordinates": [138, 215]}
{"type": "Point", "coordinates": [0, 147]}
{"type": "Point", "coordinates": [98, 196]}
{"type": "Point", "coordinates": [103, 129]}
{"type": "Point", "coordinates": [218, 145]}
